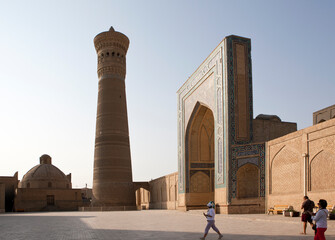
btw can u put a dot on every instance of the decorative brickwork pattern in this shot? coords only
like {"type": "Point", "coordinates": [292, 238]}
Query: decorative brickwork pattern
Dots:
{"type": "Point", "coordinates": [327, 142]}
{"type": "Point", "coordinates": [322, 160]}
{"type": "Point", "coordinates": [200, 183]}
{"type": "Point", "coordinates": [240, 109]}
{"type": "Point", "coordinates": [302, 163]}
{"type": "Point", "coordinates": [322, 171]}
{"type": "Point", "coordinates": [232, 73]}
{"type": "Point", "coordinates": [248, 181]}
{"type": "Point", "coordinates": [286, 171]}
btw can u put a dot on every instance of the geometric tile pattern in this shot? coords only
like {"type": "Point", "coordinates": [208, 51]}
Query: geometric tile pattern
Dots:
{"type": "Point", "coordinates": [241, 151]}
{"type": "Point", "coordinates": [251, 153]}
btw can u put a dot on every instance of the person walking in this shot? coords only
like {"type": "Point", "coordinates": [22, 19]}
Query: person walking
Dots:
{"type": "Point", "coordinates": [210, 215]}
{"type": "Point", "coordinates": [321, 220]}
{"type": "Point", "coordinates": [306, 216]}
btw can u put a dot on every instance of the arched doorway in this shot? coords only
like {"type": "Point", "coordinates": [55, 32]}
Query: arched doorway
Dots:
{"type": "Point", "coordinates": [200, 157]}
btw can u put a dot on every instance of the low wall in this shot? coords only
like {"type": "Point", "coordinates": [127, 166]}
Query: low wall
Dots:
{"type": "Point", "coordinates": [31, 200]}
{"type": "Point", "coordinates": [163, 194]}
{"type": "Point", "coordinates": [2, 197]}
{"type": "Point", "coordinates": [104, 209]}
{"type": "Point", "coordinates": [11, 184]}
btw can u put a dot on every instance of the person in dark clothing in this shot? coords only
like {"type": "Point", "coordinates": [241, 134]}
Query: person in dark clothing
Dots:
{"type": "Point", "coordinates": [306, 216]}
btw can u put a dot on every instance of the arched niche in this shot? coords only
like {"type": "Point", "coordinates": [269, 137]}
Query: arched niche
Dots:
{"type": "Point", "coordinates": [322, 168]}
{"type": "Point", "coordinates": [200, 135]}
{"type": "Point", "coordinates": [248, 181]}
{"type": "Point", "coordinates": [285, 172]}
{"type": "Point", "coordinates": [199, 145]}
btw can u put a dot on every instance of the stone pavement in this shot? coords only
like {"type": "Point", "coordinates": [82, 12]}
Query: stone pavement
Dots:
{"type": "Point", "coordinates": [149, 224]}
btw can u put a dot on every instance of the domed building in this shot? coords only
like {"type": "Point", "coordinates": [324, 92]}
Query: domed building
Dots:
{"type": "Point", "coordinates": [46, 188]}
{"type": "Point", "coordinates": [45, 175]}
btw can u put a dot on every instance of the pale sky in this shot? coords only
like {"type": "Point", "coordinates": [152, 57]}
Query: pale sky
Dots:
{"type": "Point", "coordinates": [49, 84]}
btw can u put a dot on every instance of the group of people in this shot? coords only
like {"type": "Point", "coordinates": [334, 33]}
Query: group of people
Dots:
{"type": "Point", "coordinates": [320, 218]}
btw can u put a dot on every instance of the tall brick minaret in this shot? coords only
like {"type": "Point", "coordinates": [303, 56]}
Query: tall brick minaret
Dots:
{"type": "Point", "coordinates": [112, 177]}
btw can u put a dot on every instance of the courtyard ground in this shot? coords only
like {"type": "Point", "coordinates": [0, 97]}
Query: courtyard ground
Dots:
{"type": "Point", "coordinates": [150, 224]}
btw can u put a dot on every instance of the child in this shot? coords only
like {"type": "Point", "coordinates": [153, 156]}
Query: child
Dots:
{"type": "Point", "coordinates": [210, 220]}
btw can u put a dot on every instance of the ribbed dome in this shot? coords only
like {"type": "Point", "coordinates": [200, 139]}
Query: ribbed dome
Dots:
{"type": "Point", "coordinates": [45, 175]}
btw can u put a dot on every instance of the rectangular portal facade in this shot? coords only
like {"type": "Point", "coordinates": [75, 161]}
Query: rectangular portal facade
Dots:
{"type": "Point", "coordinates": [217, 158]}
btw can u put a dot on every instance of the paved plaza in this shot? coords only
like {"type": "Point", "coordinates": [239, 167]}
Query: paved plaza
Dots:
{"type": "Point", "coordinates": [149, 224]}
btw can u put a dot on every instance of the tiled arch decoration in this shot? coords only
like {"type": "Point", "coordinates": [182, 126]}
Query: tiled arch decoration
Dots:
{"type": "Point", "coordinates": [241, 155]}
{"type": "Point", "coordinates": [212, 65]}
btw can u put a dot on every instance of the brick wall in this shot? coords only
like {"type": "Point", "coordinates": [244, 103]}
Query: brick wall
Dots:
{"type": "Point", "coordinates": [11, 184]}
{"type": "Point", "coordinates": [30, 199]}
{"type": "Point", "coordinates": [301, 163]}
{"type": "Point", "coordinates": [163, 193]}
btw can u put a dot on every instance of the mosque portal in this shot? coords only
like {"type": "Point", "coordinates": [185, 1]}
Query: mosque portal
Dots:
{"type": "Point", "coordinates": [218, 159]}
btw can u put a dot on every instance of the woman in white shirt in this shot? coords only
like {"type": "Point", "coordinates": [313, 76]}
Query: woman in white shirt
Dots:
{"type": "Point", "coordinates": [210, 215]}
{"type": "Point", "coordinates": [321, 220]}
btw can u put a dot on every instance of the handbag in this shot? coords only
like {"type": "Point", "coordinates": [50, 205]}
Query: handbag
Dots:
{"type": "Point", "coordinates": [314, 227]}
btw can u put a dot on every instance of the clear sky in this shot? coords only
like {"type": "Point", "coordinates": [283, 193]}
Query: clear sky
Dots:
{"type": "Point", "coordinates": [48, 92]}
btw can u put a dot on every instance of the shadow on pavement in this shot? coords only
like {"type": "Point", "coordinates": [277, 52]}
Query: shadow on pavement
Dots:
{"type": "Point", "coordinates": [72, 227]}
{"type": "Point", "coordinates": [148, 235]}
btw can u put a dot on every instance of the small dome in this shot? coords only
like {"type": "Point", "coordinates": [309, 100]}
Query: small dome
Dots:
{"type": "Point", "coordinates": [268, 117]}
{"type": "Point", "coordinates": [45, 159]}
{"type": "Point", "coordinates": [111, 29]}
{"type": "Point", "coordinates": [45, 175]}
